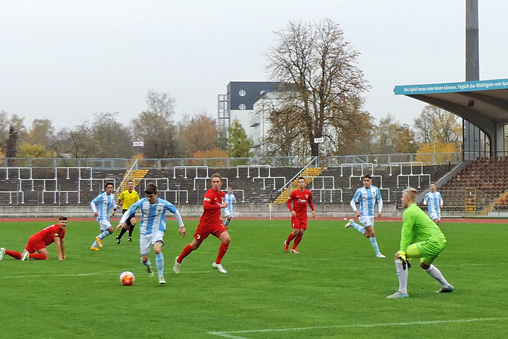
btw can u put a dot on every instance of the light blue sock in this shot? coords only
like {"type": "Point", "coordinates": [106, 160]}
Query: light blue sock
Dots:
{"type": "Point", "coordinates": [159, 260]}
{"type": "Point", "coordinates": [103, 234]}
{"type": "Point", "coordinates": [359, 228]}
{"type": "Point", "coordinates": [147, 263]}
{"type": "Point", "coordinates": [94, 244]}
{"type": "Point", "coordinates": [374, 245]}
{"type": "Point", "coordinates": [227, 222]}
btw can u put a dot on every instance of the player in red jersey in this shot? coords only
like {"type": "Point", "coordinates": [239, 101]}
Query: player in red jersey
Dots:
{"type": "Point", "coordinates": [299, 199]}
{"type": "Point", "coordinates": [210, 223]}
{"type": "Point", "coordinates": [39, 241]}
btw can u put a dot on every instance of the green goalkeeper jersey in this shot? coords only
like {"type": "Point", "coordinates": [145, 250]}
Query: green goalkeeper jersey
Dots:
{"type": "Point", "coordinates": [417, 226]}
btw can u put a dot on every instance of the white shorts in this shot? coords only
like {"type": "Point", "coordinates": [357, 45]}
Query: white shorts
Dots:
{"type": "Point", "coordinates": [366, 221]}
{"type": "Point", "coordinates": [104, 225]}
{"type": "Point", "coordinates": [228, 213]}
{"type": "Point", "coordinates": [435, 216]}
{"type": "Point", "coordinates": [148, 240]}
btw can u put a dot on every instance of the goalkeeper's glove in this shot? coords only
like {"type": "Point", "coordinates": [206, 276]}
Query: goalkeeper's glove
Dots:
{"type": "Point", "coordinates": [405, 261]}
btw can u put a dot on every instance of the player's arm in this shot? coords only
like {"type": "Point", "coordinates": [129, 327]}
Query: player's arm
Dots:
{"type": "Point", "coordinates": [426, 199]}
{"type": "Point", "coordinates": [353, 203]}
{"type": "Point", "coordinates": [440, 201]}
{"type": "Point", "coordinates": [93, 205]}
{"type": "Point", "coordinates": [207, 204]}
{"type": "Point", "coordinates": [379, 203]}
{"type": "Point", "coordinates": [406, 233]}
{"type": "Point", "coordinates": [311, 205]}
{"type": "Point", "coordinates": [58, 243]}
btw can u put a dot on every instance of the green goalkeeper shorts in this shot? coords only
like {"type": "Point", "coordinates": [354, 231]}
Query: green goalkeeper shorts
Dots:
{"type": "Point", "coordinates": [428, 250]}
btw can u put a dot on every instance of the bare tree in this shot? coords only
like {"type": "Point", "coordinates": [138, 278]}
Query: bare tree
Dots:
{"type": "Point", "coordinates": [437, 125]}
{"type": "Point", "coordinates": [325, 83]}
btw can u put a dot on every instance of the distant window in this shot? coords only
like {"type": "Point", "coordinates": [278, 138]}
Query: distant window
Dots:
{"type": "Point", "coordinates": [242, 92]}
{"type": "Point", "coordinates": [242, 106]}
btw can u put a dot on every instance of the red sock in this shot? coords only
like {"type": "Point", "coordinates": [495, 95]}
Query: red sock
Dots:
{"type": "Point", "coordinates": [38, 256]}
{"type": "Point", "coordinates": [297, 241]}
{"type": "Point", "coordinates": [13, 254]}
{"type": "Point", "coordinates": [186, 251]}
{"type": "Point", "coordinates": [222, 251]}
{"type": "Point", "coordinates": [290, 237]}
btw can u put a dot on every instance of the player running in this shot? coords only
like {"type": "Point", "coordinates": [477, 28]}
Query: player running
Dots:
{"type": "Point", "coordinates": [210, 223]}
{"type": "Point", "coordinates": [297, 204]}
{"type": "Point", "coordinates": [101, 206]}
{"type": "Point", "coordinates": [367, 196]}
{"type": "Point", "coordinates": [126, 199]}
{"type": "Point", "coordinates": [39, 241]}
{"type": "Point", "coordinates": [434, 201]}
{"type": "Point", "coordinates": [416, 225]}
{"type": "Point", "coordinates": [230, 198]}
{"type": "Point", "coordinates": [152, 227]}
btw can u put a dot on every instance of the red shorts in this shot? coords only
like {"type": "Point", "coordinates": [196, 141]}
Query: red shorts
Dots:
{"type": "Point", "coordinates": [35, 244]}
{"type": "Point", "coordinates": [203, 232]}
{"type": "Point", "coordinates": [299, 222]}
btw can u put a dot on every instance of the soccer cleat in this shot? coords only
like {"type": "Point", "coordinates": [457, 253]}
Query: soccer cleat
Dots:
{"type": "Point", "coordinates": [118, 240]}
{"type": "Point", "coordinates": [176, 266]}
{"type": "Point", "coordinates": [286, 246]}
{"type": "Point", "coordinates": [25, 255]}
{"type": "Point", "coordinates": [149, 271]}
{"type": "Point", "coordinates": [129, 239]}
{"type": "Point", "coordinates": [99, 241]}
{"type": "Point", "coordinates": [447, 289]}
{"type": "Point", "coordinates": [380, 255]}
{"type": "Point", "coordinates": [162, 281]}
{"type": "Point", "coordinates": [349, 223]}
{"type": "Point", "coordinates": [219, 268]}
{"type": "Point", "coordinates": [398, 295]}
{"type": "Point", "coordinates": [293, 250]}
{"type": "Point", "coordinates": [2, 252]}
{"type": "Point", "coordinates": [93, 248]}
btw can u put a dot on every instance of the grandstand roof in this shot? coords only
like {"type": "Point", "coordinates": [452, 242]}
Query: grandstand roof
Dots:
{"type": "Point", "coordinates": [472, 100]}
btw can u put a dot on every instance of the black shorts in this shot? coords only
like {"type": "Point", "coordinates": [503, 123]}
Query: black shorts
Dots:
{"type": "Point", "coordinates": [128, 221]}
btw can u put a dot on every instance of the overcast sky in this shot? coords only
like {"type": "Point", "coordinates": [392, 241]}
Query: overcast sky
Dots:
{"type": "Point", "coordinates": [67, 60]}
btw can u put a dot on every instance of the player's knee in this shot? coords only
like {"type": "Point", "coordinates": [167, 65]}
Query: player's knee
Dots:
{"type": "Point", "coordinates": [133, 221]}
{"type": "Point", "coordinates": [424, 266]}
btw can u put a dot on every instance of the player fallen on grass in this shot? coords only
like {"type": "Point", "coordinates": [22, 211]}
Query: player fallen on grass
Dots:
{"type": "Point", "coordinates": [152, 227]}
{"type": "Point", "coordinates": [39, 241]}
{"type": "Point", "coordinates": [209, 223]}
{"type": "Point", "coordinates": [297, 204]}
{"type": "Point", "coordinates": [366, 196]}
{"type": "Point", "coordinates": [101, 206]}
{"type": "Point", "coordinates": [416, 225]}
{"type": "Point", "coordinates": [126, 199]}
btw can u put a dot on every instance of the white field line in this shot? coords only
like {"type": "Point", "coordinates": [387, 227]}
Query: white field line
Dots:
{"type": "Point", "coordinates": [236, 334]}
{"type": "Point", "coordinates": [57, 275]}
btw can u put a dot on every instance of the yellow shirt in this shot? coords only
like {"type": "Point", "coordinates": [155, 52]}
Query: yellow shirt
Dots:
{"type": "Point", "coordinates": [128, 198]}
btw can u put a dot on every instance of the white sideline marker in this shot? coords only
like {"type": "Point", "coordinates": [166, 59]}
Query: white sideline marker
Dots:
{"type": "Point", "coordinates": [231, 334]}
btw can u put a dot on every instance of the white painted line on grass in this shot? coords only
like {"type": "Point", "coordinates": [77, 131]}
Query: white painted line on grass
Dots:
{"type": "Point", "coordinates": [232, 334]}
{"type": "Point", "coordinates": [57, 275]}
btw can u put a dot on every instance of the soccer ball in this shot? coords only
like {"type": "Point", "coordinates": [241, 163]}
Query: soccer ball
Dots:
{"type": "Point", "coordinates": [127, 278]}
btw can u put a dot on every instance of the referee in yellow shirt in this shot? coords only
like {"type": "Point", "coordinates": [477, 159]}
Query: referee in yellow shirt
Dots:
{"type": "Point", "coordinates": [127, 198]}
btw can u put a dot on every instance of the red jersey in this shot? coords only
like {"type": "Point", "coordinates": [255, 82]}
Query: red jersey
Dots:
{"type": "Point", "coordinates": [300, 200]}
{"type": "Point", "coordinates": [48, 234]}
{"type": "Point", "coordinates": [211, 205]}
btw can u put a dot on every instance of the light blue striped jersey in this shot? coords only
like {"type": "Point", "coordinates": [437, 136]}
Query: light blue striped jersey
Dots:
{"type": "Point", "coordinates": [153, 217]}
{"type": "Point", "coordinates": [433, 200]}
{"type": "Point", "coordinates": [104, 204]}
{"type": "Point", "coordinates": [367, 199]}
{"type": "Point", "coordinates": [231, 200]}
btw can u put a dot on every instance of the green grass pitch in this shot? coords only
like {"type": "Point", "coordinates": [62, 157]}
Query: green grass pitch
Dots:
{"type": "Point", "coordinates": [335, 287]}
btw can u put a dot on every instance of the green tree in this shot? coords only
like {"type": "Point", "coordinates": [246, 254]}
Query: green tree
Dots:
{"type": "Point", "coordinates": [325, 83]}
{"type": "Point", "coordinates": [200, 132]}
{"type": "Point", "coordinates": [437, 125]}
{"type": "Point", "coordinates": [239, 144]}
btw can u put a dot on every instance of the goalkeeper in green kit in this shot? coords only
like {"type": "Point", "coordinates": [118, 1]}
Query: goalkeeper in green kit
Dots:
{"type": "Point", "coordinates": [420, 238]}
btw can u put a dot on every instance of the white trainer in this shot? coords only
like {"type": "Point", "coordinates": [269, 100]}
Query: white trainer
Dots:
{"type": "Point", "coordinates": [380, 255]}
{"type": "Point", "coordinates": [398, 295]}
{"type": "Point", "coordinates": [349, 223]}
{"type": "Point", "coordinates": [25, 255]}
{"type": "Point", "coordinates": [2, 252]}
{"type": "Point", "coordinates": [162, 281]}
{"type": "Point", "coordinates": [219, 268]}
{"type": "Point", "coordinates": [176, 266]}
